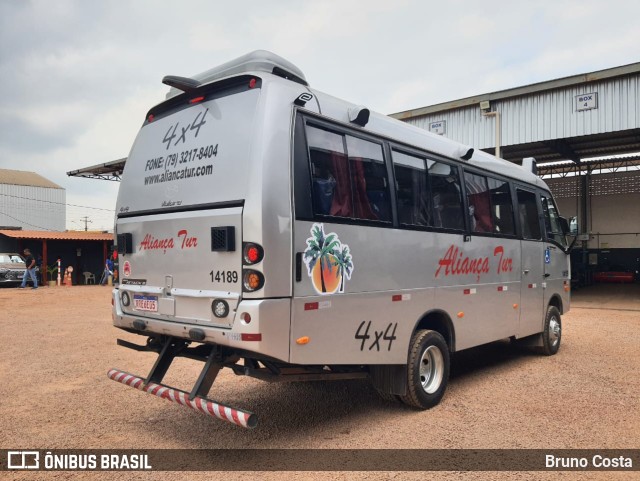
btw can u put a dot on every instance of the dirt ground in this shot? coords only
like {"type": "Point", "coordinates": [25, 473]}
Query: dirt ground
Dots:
{"type": "Point", "coordinates": [58, 344]}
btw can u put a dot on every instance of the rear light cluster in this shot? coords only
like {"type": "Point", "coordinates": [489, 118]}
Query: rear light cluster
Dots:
{"type": "Point", "coordinates": [252, 254]}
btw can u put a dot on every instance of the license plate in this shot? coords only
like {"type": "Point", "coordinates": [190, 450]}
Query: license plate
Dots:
{"type": "Point", "coordinates": [145, 303]}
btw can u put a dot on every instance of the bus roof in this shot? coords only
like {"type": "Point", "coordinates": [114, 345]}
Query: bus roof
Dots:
{"type": "Point", "coordinates": [253, 62]}
{"type": "Point", "coordinates": [278, 69]}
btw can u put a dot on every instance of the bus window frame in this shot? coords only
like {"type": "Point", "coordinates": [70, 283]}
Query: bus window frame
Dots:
{"type": "Point", "coordinates": [514, 201]}
{"type": "Point", "coordinates": [303, 202]}
{"type": "Point", "coordinates": [536, 192]}
{"type": "Point", "coordinates": [546, 237]}
{"type": "Point", "coordinates": [302, 198]}
{"type": "Point", "coordinates": [435, 158]}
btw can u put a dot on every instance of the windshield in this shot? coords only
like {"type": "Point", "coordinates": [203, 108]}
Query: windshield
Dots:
{"type": "Point", "coordinates": [11, 259]}
{"type": "Point", "coordinates": [191, 156]}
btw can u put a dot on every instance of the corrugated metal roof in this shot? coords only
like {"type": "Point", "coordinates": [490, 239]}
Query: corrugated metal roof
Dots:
{"type": "Point", "coordinates": [540, 87]}
{"type": "Point", "coordinates": [21, 177]}
{"type": "Point", "coordinates": [68, 235]}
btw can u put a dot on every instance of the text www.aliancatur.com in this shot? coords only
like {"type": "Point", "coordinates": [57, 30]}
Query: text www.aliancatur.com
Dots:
{"type": "Point", "coordinates": [179, 174]}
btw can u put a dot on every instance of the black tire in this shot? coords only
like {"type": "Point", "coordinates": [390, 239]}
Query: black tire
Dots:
{"type": "Point", "coordinates": [427, 370]}
{"type": "Point", "coordinates": [552, 333]}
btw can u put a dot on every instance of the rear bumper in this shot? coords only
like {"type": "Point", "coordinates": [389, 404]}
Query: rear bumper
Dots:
{"type": "Point", "coordinates": [267, 334]}
{"type": "Point", "coordinates": [239, 417]}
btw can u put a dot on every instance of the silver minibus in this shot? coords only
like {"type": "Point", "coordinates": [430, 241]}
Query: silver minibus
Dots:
{"type": "Point", "coordinates": [271, 229]}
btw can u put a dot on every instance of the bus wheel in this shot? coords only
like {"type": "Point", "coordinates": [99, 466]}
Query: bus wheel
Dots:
{"type": "Point", "coordinates": [427, 370]}
{"type": "Point", "coordinates": [552, 334]}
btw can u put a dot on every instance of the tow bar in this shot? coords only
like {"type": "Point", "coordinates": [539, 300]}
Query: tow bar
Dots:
{"type": "Point", "coordinates": [172, 348]}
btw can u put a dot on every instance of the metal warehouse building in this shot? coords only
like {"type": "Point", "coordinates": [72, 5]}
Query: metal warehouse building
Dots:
{"type": "Point", "coordinates": [584, 132]}
{"type": "Point", "coordinates": [29, 201]}
{"type": "Point", "coordinates": [33, 215]}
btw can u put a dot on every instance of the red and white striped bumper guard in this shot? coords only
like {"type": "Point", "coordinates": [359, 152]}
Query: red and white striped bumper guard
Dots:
{"type": "Point", "coordinates": [205, 406]}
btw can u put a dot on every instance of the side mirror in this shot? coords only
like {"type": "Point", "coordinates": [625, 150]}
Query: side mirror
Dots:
{"type": "Point", "coordinates": [573, 226]}
{"type": "Point", "coordinates": [569, 227]}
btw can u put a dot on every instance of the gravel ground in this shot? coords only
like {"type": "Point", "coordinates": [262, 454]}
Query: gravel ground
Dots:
{"type": "Point", "coordinates": [58, 343]}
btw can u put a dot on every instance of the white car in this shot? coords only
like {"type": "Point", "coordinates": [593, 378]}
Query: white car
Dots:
{"type": "Point", "coordinates": [12, 268]}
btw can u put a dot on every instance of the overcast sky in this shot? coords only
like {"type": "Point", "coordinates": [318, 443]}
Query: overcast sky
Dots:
{"type": "Point", "coordinates": [78, 76]}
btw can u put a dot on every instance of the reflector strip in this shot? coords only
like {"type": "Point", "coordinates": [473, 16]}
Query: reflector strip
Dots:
{"type": "Point", "coordinates": [312, 306]}
{"type": "Point", "coordinates": [533, 286]}
{"type": "Point", "coordinates": [503, 288]}
{"type": "Point", "coordinates": [205, 406]}
{"type": "Point", "coordinates": [400, 297]}
{"type": "Point", "coordinates": [469, 291]}
{"type": "Point", "coordinates": [250, 337]}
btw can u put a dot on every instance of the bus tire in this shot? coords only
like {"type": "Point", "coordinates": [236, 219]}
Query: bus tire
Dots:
{"type": "Point", "coordinates": [552, 333]}
{"type": "Point", "coordinates": [427, 370]}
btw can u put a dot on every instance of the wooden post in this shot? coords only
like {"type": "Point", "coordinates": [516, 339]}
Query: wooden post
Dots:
{"type": "Point", "coordinates": [43, 269]}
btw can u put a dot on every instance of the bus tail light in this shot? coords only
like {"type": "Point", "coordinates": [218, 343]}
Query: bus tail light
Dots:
{"type": "Point", "coordinates": [252, 280]}
{"type": "Point", "coordinates": [252, 253]}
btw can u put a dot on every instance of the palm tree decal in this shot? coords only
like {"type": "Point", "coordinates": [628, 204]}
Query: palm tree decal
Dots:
{"type": "Point", "coordinates": [326, 255]}
{"type": "Point", "coordinates": [344, 262]}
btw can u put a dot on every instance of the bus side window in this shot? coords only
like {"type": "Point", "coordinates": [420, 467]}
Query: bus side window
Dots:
{"type": "Point", "coordinates": [370, 186]}
{"type": "Point", "coordinates": [446, 195]}
{"type": "Point", "coordinates": [528, 212]}
{"type": "Point", "coordinates": [501, 207]}
{"type": "Point", "coordinates": [329, 173]}
{"type": "Point", "coordinates": [552, 221]}
{"type": "Point", "coordinates": [479, 199]}
{"type": "Point", "coordinates": [411, 189]}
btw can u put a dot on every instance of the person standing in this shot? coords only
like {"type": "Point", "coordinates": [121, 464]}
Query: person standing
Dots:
{"type": "Point", "coordinates": [108, 271]}
{"type": "Point", "coordinates": [31, 270]}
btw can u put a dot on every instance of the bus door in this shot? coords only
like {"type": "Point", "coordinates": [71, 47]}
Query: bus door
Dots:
{"type": "Point", "coordinates": [532, 292]}
{"type": "Point", "coordinates": [556, 267]}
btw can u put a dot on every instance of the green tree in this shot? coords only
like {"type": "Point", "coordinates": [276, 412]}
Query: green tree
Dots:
{"type": "Point", "coordinates": [319, 247]}
{"type": "Point", "coordinates": [344, 262]}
